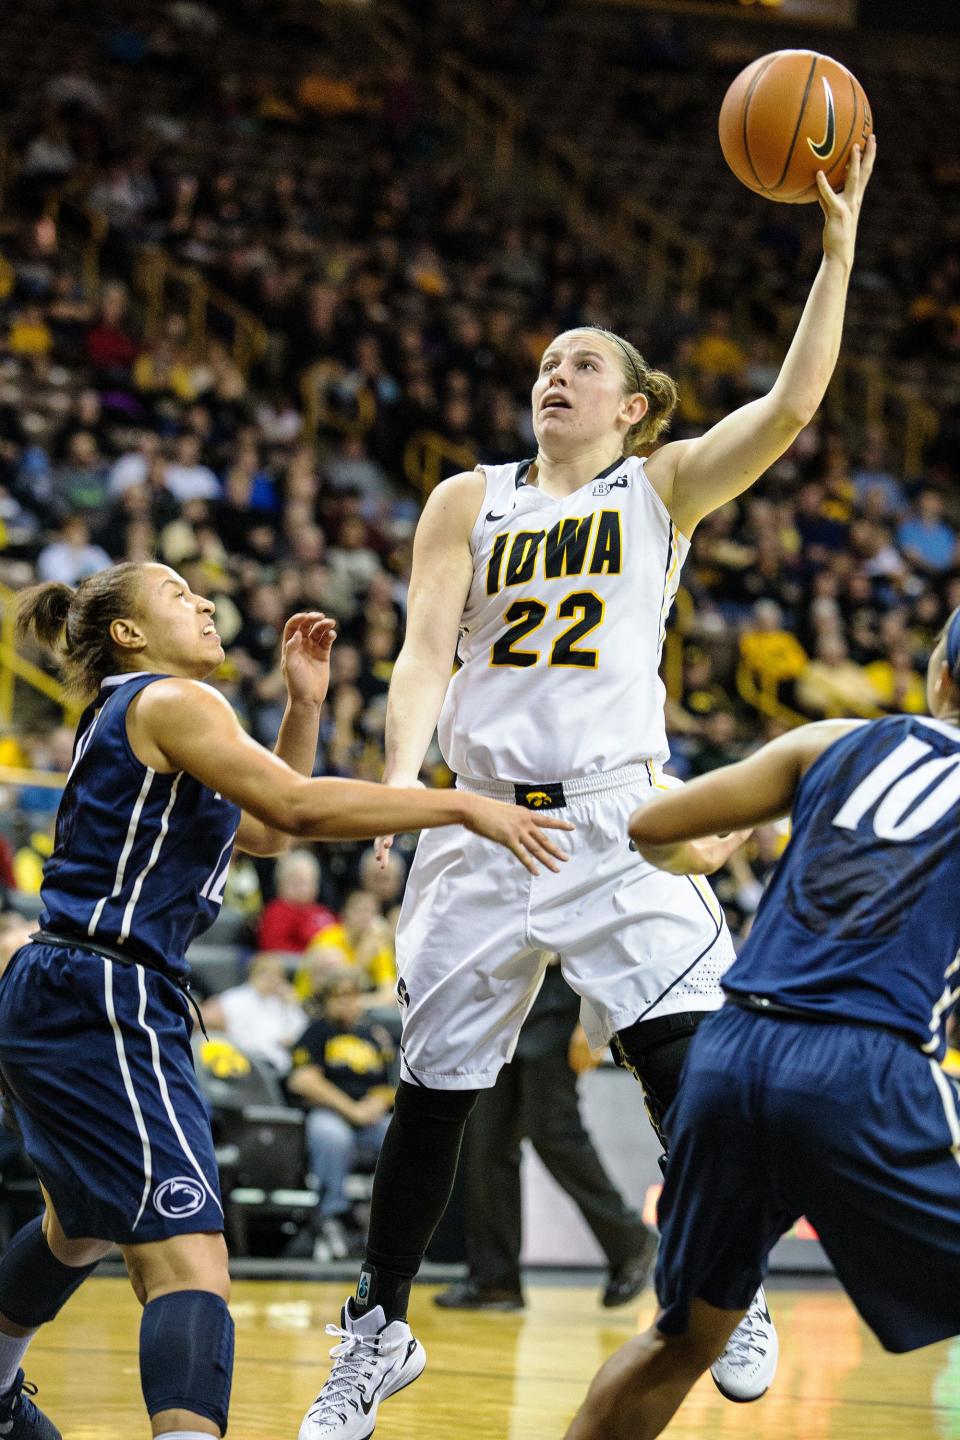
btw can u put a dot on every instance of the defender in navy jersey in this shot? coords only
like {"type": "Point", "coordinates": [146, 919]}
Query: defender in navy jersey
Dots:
{"type": "Point", "coordinates": [816, 1090]}
{"type": "Point", "coordinates": [95, 1022]}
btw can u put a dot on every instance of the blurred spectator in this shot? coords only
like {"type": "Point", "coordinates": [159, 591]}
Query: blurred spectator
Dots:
{"type": "Point", "coordinates": [187, 478]}
{"type": "Point", "coordinates": [925, 537]}
{"type": "Point", "coordinates": [873, 473]}
{"type": "Point", "coordinates": [295, 915]}
{"type": "Point", "coordinates": [341, 1074]}
{"type": "Point", "coordinates": [72, 557]}
{"type": "Point", "coordinates": [111, 347]}
{"type": "Point", "coordinates": [772, 656]}
{"type": "Point", "coordinates": [364, 942]}
{"type": "Point", "coordinates": [262, 1017]}
{"type": "Point", "coordinates": [834, 685]}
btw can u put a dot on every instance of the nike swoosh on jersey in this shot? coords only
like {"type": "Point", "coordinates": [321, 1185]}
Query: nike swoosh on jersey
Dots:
{"type": "Point", "coordinates": [491, 518]}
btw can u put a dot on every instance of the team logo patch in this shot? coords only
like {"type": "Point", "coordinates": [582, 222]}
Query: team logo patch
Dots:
{"type": "Point", "coordinates": [603, 487]}
{"type": "Point", "coordinates": [363, 1287]}
{"type": "Point", "coordinates": [179, 1197]}
{"type": "Point", "coordinates": [539, 797]}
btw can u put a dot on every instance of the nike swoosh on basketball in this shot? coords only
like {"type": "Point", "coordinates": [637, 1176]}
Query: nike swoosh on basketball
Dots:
{"type": "Point", "coordinates": [824, 150]}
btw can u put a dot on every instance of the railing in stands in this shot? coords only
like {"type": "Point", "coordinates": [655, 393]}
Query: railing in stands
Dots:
{"type": "Point", "coordinates": [761, 693]}
{"type": "Point", "coordinates": [14, 667]}
{"type": "Point", "coordinates": [164, 283]}
{"type": "Point", "coordinates": [429, 457]}
{"type": "Point", "coordinates": [862, 393]}
{"type": "Point", "coordinates": [316, 383]}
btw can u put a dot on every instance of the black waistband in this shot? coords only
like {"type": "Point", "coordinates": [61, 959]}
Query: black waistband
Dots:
{"type": "Point", "coordinates": [539, 796]}
{"type": "Point", "coordinates": [763, 1005]}
{"type": "Point", "coordinates": [123, 957]}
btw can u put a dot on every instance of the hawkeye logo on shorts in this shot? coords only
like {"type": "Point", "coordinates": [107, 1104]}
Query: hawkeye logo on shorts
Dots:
{"type": "Point", "coordinates": [536, 799]}
{"type": "Point", "coordinates": [179, 1197]}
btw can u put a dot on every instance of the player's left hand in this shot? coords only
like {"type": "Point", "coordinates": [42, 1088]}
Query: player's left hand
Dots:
{"type": "Point", "coordinates": [842, 212]}
{"type": "Point", "coordinates": [305, 656]}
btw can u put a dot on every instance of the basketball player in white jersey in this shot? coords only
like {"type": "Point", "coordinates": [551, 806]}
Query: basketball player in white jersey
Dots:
{"type": "Point", "coordinates": [550, 582]}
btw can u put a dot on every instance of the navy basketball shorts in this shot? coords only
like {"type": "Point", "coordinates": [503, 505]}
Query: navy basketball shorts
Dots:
{"type": "Point", "coordinates": [850, 1126]}
{"type": "Point", "coordinates": [96, 1064]}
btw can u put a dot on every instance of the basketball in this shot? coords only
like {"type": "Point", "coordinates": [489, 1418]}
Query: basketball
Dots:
{"type": "Point", "coordinates": [787, 116]}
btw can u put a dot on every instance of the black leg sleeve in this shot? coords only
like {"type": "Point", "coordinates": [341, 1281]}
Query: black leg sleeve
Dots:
{"type": "Point", "coordinates": [654, 1053]}
{"type": "Point", "coordinates": [413, 1182]}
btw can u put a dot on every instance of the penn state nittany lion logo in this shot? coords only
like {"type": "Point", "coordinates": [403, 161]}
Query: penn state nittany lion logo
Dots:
{"type": "Point", "coordinates": [825, 148]}
{"type": "Point", "coordinates": [538, 798]}
{"type": "Point", "coordinates": [179, 1196]}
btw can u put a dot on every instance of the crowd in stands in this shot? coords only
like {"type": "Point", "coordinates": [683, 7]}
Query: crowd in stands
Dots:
{"type": "Point", "coordinates": [327, 201]}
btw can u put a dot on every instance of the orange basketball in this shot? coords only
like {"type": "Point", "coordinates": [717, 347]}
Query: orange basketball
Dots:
{"type": "Point", "coordinates": [789, 115]}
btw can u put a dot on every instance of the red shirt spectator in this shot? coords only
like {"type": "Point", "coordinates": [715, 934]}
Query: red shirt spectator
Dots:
{"type": "Point", "coordinates": [290, 921]}
{"type": "Point", "coordinates": [109, 344]}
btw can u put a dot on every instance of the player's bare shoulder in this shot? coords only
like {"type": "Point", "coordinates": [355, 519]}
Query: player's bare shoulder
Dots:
{"type": "Point", "coordinates": [661, 468]}
{"type": "Point", "coordinates": [452, 509]}
{"type": "Point", "coordinates": [169, 705]}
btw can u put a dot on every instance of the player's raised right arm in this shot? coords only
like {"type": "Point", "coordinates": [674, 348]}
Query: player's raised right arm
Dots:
{"type": "Point", "coordinates": [184, 725]}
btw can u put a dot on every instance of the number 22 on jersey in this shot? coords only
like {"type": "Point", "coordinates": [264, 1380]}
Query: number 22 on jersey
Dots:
{"type": "Point", "coordinates": [524, 616]}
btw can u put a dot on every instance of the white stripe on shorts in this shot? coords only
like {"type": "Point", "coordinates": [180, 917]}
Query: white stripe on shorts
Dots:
{"type": "Point", "coordinates": [949, 1101]}
{"type": "Point", "coordinates": [128, 1086]}
{"type": "Point", "coordinates": [164, 1092]}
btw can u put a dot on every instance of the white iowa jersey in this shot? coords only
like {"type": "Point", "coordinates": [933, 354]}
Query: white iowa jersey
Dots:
{"type": "Point", "coordinates": [563, 629]}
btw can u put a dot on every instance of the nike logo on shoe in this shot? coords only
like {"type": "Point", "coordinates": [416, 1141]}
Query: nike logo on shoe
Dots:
{"type": "Point", "coordinates": [367, 1405]}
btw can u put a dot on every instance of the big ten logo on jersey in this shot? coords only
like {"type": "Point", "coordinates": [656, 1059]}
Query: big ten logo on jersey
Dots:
{"type": "Point", "coordinates": [910, 797]}
{"type": "Point", "coordinates": [603, 487]}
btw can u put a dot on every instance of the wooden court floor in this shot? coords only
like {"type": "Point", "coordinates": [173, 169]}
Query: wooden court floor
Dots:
{"type": "Point", "coordinates": [499, 1377]}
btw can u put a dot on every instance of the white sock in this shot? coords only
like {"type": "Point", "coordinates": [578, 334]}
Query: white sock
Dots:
{"type": "Point", "coordinates": [12, 1350]}
{"type": "Point", "coordinates": [183, 1435]}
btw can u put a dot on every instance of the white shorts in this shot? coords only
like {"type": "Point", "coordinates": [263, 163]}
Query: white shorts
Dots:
{"type": "Point", "coordinates": [477, 929]}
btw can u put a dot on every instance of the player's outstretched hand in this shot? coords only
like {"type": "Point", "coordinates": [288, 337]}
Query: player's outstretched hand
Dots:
{"type": "Point", "coordinates": [693, 857]}
{"type": "Point", "coordinates": [519, 830]}
{"type": "Point", "coordinates": [842, 212]}
{"type": "Point", "coordinates": [305, 656]}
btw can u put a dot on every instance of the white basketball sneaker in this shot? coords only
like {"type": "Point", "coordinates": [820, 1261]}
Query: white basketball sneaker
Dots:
{"type": "Point", "coordinates": [746, 1368]}
{"type": "Point", "coordinates": [371, 1361]}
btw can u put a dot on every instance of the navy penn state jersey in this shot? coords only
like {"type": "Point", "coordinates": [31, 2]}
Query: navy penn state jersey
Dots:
{"type": "Point", "coordinates": [861, 920]}
{"type": "Point", "coordinates": [140, 860]}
